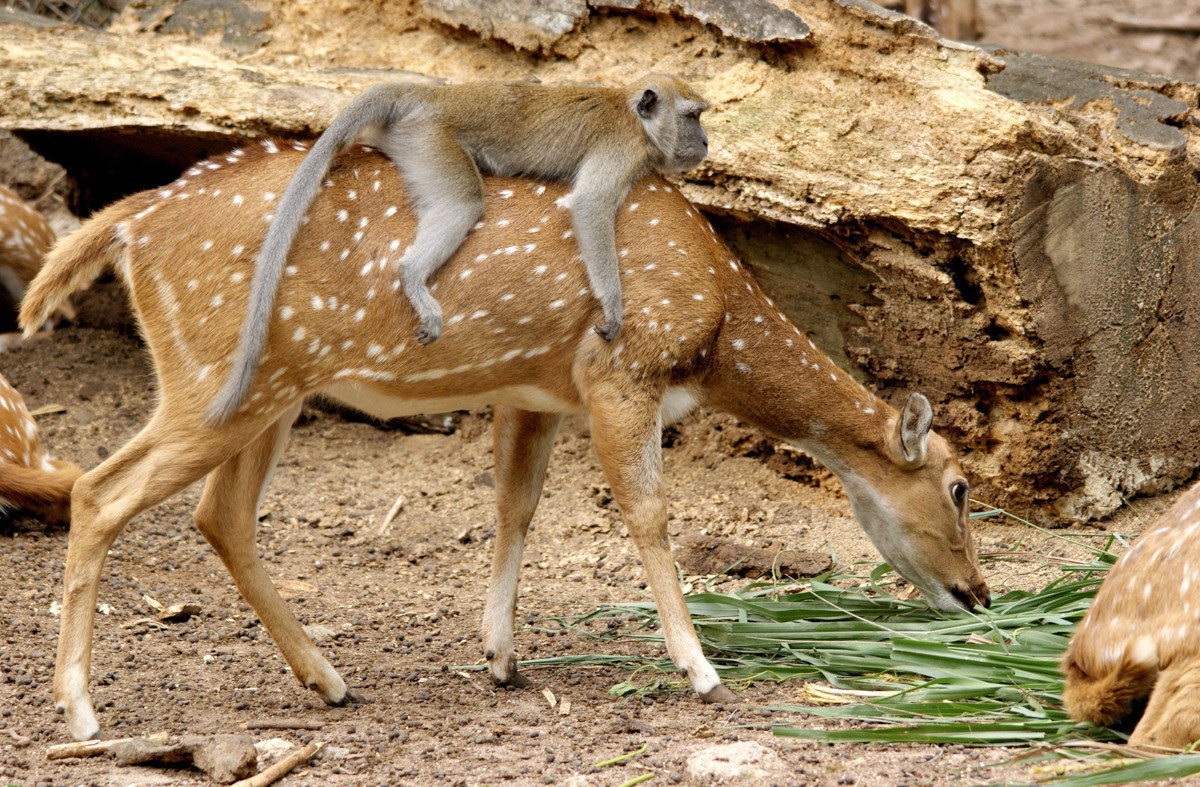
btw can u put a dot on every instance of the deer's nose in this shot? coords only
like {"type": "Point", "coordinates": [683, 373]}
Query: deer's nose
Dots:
{"type": "Point", "coordinates": [972, 595]}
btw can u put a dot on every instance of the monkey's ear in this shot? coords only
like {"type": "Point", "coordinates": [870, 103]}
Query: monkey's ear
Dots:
{"type": "Point", "coordinates": [645, 105]}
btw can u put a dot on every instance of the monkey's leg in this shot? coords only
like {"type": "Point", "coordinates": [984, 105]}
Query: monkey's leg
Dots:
{"type": "Point", "coordinates": [522, 442]}
{"type": "Point", "coordinates": [598, 194]}
{"type": "Point", "coordinates": [627, 433]}
{"type": "Point", "coordinates": [447, 192]}
{"type": "Point", "coordinates": [227, 516]}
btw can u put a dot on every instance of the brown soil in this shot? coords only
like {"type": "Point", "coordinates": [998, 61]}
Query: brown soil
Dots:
{"type": "Point", "coordinates": [404, 604]}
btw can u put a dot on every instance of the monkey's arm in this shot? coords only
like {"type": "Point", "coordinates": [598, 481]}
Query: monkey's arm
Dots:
{"type": "Point", "coordinates": [374, 106]}
{"type": "Point", "coordinates": [600, 189]}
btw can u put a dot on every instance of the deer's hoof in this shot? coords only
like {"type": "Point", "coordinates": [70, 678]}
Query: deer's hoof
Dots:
{"type": "Point", "coordinates": [351, 697]}
{"type": "Point", "coordinates": [515, 679]}
{"type": "Point", "coordinates": [719, 693]}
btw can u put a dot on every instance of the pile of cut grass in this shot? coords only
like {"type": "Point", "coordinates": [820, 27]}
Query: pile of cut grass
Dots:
{"type": "Point", "coordinates": [898, 670]}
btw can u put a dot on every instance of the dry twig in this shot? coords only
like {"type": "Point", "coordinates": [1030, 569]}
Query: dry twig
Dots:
{"type": "Point", "coordinates": [1138, 24]}
{"type": "Point", "coordinates": [391, 514]}
{"type": "Point", "coordinates": [281, 768]}
{"type": "Point", "coordinates": [63, 751]}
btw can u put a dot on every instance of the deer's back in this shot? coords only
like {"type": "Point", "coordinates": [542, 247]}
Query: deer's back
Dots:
{"type": "Point", "coordinates": [518, 309]}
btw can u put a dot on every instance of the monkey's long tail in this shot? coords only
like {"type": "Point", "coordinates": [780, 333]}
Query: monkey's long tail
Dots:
{"type": "Point", "coordinates": [375, 105]}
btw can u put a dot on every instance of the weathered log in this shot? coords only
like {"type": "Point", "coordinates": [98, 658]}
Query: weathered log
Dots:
{"type": "Point", "coordinates": [1013, 235]}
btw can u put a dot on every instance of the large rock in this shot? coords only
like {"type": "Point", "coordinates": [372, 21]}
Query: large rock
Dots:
{"type": "Point", "coordinates": [1013, 235]}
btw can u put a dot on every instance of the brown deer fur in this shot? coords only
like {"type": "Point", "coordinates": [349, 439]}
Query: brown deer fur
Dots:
{"type": "Point", "coordinates": [1141, 637]}
{"type": "Point", "coordinates": [518, 335]}
{"type": "Point", "coordinates": [29, 479]}
{"type": "Point", "coordinates": [25, 237]}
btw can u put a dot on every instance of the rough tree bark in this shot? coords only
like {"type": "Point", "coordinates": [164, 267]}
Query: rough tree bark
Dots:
{"type": "Point", "coordinates": [1013, 235]}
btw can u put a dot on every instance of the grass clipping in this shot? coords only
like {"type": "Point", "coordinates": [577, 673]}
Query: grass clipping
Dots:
{"type": "Point", "coordinates": [908, 672]}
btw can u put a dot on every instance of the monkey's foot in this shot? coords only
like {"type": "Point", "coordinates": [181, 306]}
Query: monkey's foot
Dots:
{"type": "Point", "coordinates": [608, 329]}
{"type": "Point", "coordinates": [429, 331]}
{"type": "Point", "coordinates": [718, 693]}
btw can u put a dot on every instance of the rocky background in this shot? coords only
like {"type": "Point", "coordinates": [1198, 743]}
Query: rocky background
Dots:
{"type": "Point", "coordinates": [1011, 233]}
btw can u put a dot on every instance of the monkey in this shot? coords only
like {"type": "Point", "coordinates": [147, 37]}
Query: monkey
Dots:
{"type": "Point", "coordinates": [602, 140]}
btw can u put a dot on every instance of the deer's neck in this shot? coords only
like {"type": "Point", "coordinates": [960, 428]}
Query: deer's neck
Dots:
{"type": "Point", "coordinates": [767, 372]}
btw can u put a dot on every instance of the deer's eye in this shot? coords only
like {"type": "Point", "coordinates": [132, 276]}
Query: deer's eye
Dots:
{"type": "Point", "coordinates": [958, 491]}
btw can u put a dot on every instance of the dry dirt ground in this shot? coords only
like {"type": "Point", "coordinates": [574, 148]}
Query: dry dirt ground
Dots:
{"type": "Point", "coordinates": [403, 605]}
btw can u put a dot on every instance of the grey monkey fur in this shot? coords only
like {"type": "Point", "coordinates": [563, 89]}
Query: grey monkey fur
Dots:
{"type": "Point", "coordinates": [600, 139]}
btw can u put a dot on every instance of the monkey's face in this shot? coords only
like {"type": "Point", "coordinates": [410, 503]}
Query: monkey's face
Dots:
{"type": "Point", "coordinates": [692, 144]}
{"type": "Point", "coordinates": [670, 110]}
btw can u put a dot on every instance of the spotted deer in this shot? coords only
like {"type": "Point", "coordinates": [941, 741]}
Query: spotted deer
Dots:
{"type": "Point", "coordinates": [25, 237]}
{"type": "Point", "coordinates": [1141, 637]}
{"type": "Point", "coordinates": [29, 479]}
{"type": "Point", "coordinates": [518, 336]}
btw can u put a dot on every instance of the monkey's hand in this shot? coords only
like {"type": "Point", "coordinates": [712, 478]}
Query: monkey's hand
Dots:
{"type": "Point", "coordinates": [611, 326]}
{"type": "Point", "coordinates": [607, 330]}
{"type": "Point", "coordinates": [430, 330]}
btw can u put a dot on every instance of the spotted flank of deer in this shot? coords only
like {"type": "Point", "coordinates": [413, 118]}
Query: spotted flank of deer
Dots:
{"type": "Point", "coordinates": [518, 335]}
{"type": "Point", "coordinates": [29, 479]}
{"type": "Point", "coordinates": [25, 237]}
{"type": "Point", "coordinates": [1141, 637]}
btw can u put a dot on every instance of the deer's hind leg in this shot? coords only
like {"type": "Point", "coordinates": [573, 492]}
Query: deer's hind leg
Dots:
{"type": "Point", "coordinates": [166, 456]}
{"type": "Point", "coordinates": [227, 516]}
{"type": "Point", "coordinates": [522, 444]}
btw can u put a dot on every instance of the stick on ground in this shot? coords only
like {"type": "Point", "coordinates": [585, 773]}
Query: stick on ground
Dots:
{"type": "Point", "coordinates": [63, 751]}
{"type": "Point", "coordinates": [387, 520]}
{"type": "Point", "coordinates": [1135, 24]}
{"type": "Point", "coordinates": [281, 768]}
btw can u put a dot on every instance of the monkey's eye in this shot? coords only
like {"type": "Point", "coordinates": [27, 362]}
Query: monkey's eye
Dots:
{"type": "Point", "coordinates": [958, 492]}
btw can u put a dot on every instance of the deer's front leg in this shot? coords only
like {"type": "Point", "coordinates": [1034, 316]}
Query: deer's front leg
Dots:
{"type": "Point", "coordinates": [522, 444]}
{"type": "Point", "coordinates": [627, 432]}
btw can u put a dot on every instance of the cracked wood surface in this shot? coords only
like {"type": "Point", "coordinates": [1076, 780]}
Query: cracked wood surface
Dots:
{"type": "Point", "coordinates": [1012, 235]}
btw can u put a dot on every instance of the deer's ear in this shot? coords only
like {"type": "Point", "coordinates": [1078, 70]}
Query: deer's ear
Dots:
{"type": "Point", "coordinates": [911, 436]}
